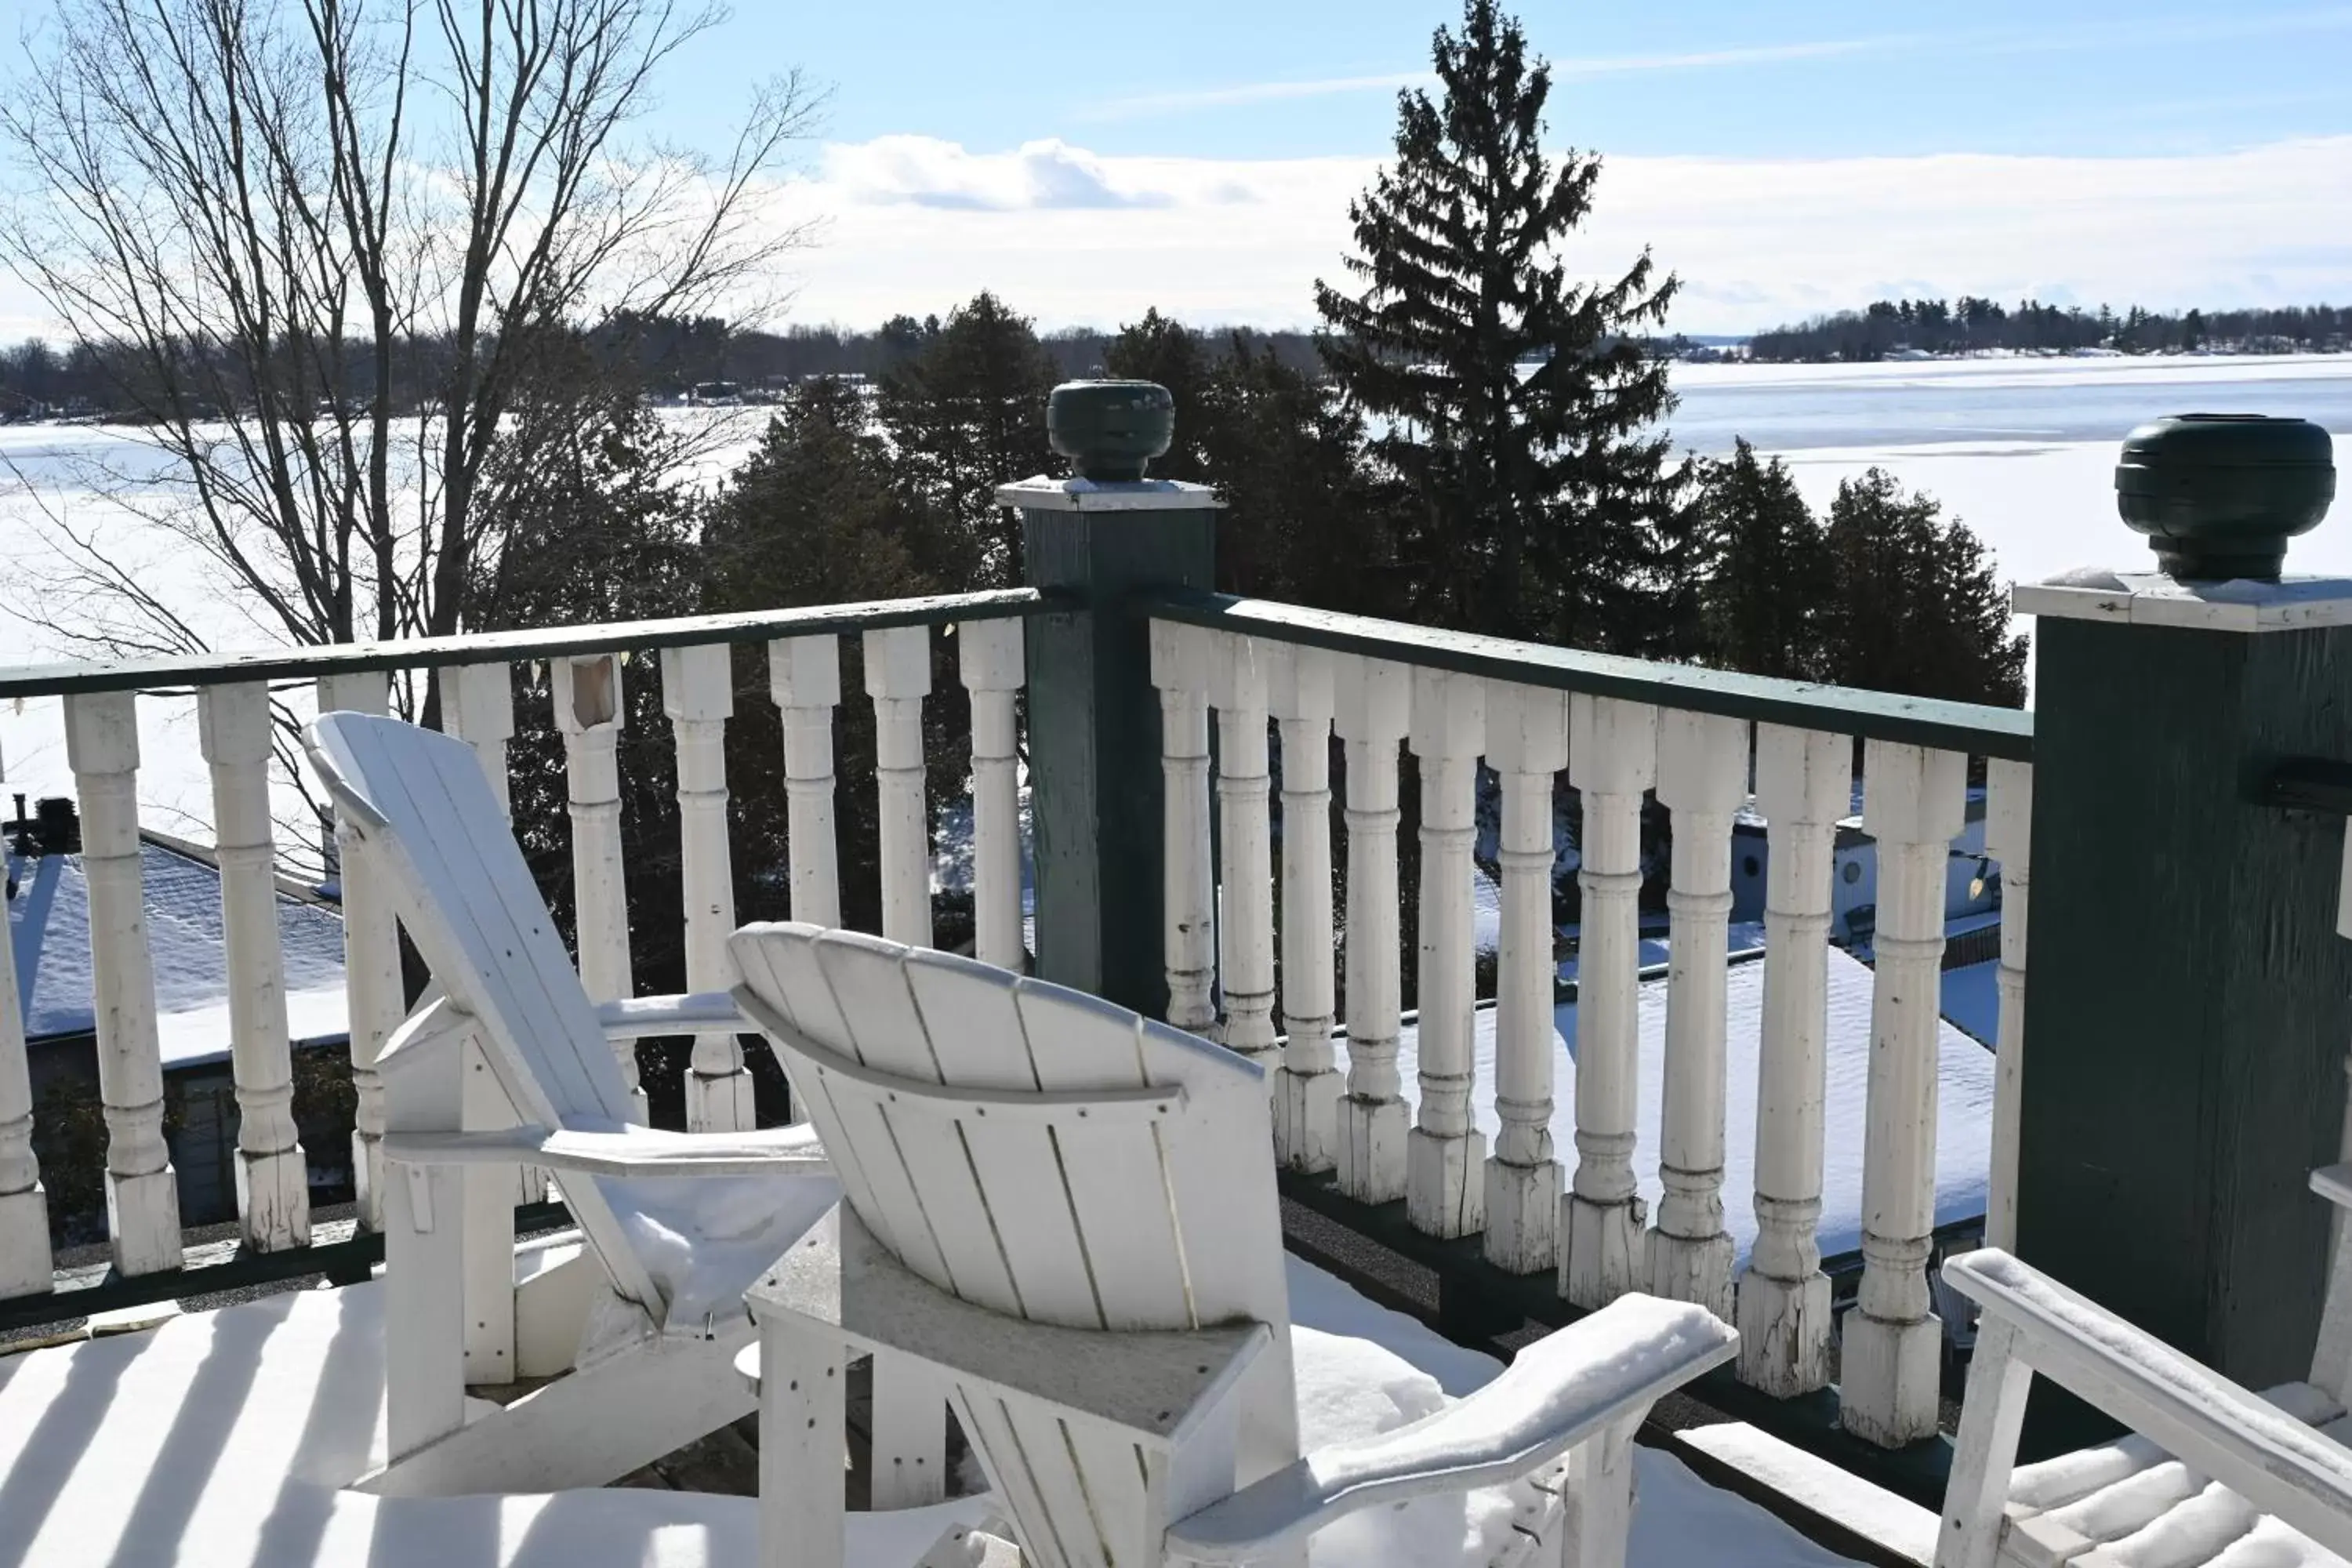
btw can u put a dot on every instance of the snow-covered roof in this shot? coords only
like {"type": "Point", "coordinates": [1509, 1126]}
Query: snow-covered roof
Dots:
{"type": "Point", "coordinates": [49, 928]}
{"type": "Point", "coordinates": [1963, 1118]}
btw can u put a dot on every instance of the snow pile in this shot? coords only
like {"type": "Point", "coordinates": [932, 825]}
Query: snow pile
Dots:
{"type": "Point", "coordinates": [706, 1238]}
{"type": "Point", "coordinates": [220, 1439]}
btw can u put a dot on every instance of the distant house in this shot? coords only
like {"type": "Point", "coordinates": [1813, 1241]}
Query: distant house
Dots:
{"type": "Point", "coordinates": [48, 929]}
{"type": "Point", "coordinates": [1972, 883]}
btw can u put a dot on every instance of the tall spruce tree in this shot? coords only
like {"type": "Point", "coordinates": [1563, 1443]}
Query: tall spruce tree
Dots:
{"type": "Point", "coordinates": [1514, 405]}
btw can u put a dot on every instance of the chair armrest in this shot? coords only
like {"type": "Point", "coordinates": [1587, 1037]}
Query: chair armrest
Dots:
{"type": "Point", "coordinates": [2191, 1412]}
{"type": "Point", "coordinates": [1569, 1386]}
{"type": "Point", "coordinates": [637, 1152]}
{"type": "Point", "coordinates": [694, 1012]}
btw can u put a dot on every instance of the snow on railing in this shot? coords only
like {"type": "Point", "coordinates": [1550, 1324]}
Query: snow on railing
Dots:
{"type": "Point", "coordinates": [477, 680]}
{"type": "Point", "coordinates": [1705, 743]}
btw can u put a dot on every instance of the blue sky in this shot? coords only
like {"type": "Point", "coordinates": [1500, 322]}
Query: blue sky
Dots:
{"type": "Point", "coordinates": [1783, 160]}
{"type": "Point", "coordinates": [1285, 79]}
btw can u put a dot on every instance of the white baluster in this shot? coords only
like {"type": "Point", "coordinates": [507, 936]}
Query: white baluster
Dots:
{"type": "Point", "coordinates": [1179, 670]}
{"type": "Point", "coordinates": [1611, 759]}
{"type": "Point", "coordinates": [2009, 838]}
{"type": "Point", "coordinates": [371, 979]}
{"type": "Point", "coordinates": [588, 712]}
{"type": "Point", "coordinates": [273, 1176]}
{"type": "Point", "coordinates": [477, 708]}
{"type": "Point", "coordinates": [26, 1264]}
{"type": "Point", "coordinates": [1374, 706]}
{"type": "Point", "coordinates": [1913, 802]}
{"type": "Point", "coordinates": [699, 695]}
{"type": "Point", "coordinates": [1446, 1184]}
{"type": "Point", "coordinates": [1804, 783]}
{"type": "Point", "coordinates": [1702, 779]}
{"type": "Point", "coordinates": [804, 679]}
{"type": "Point", "coordinates": [1306, 1094]}
{"type": "Point", "coordinates": [1527, 744]}
{"type": "Point", "coordinates": [1246, 894]}
{"type": "Point", "coordinates": [142, 1197]}
{"type": "Point", "coordinates": [990, 661]}
{"type": "Point", "coordinates": [898, 677]}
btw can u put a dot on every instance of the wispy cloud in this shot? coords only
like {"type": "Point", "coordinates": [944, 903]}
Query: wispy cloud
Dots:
{"type": "Point", "coordinates": [2061, 39]}
{"type": "Point", "coordinates": [1142, 105]}
{"type": "Point", "coordinates": [917, 224]}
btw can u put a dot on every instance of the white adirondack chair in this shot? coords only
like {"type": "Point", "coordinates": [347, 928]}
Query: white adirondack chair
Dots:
{"type": "Point", "coordinates": [2213, 1472]}
{"type": "Point", "coordinates": [654, 1367]}
{"type": "Point", "coordinates": [1067, 1213]}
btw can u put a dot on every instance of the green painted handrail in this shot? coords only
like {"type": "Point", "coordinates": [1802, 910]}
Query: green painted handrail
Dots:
{"type": "Point", "coordinates": [1968, 727]}
{"type": "Point", "coordinates": [303, 662]}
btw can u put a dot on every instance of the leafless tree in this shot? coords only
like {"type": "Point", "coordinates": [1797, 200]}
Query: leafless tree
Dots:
{"type": "Point", "coordinates": [321, 236]}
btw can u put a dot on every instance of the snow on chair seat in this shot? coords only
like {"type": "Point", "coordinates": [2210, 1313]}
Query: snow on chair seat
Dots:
{"type": "Point", "coordinates": [1065, 1214]}
{"type": "Point", "coordinates": [679, 1224]}
{"type": "Point", "coordinates": [2215, 1474]}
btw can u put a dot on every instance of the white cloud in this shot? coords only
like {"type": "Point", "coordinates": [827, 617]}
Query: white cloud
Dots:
{"type": "Point", "coordinates": [913, 223]}
{"type": "Point", "coordinates": [2043, 40]}
{"type": "Point", "coordinates": [1075, 238]}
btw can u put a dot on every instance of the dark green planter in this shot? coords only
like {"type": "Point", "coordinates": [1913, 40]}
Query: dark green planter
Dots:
{"type": "Point", "coordinates": [2219, 495]}
{"type": "Point", "coordinates": [1110, 429]}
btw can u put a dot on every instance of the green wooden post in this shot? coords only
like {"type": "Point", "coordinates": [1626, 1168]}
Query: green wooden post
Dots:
{"type": "Point", "coordinates": [2188, 1001]}
{"type": "Point", "coordinates": [1093, 541]}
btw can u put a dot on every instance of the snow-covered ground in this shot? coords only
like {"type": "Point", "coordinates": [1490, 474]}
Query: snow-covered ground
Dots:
{"type": "Point", "coordinates": [224, 1439]}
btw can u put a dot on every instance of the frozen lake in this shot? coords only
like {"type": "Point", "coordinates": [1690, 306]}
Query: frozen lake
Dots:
{"type": "Point", "coordinates": [2020, 449]}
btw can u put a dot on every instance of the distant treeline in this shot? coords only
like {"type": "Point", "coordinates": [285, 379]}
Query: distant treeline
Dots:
{"type": "Point", "coordinates": [1969, 325]}
{"type": "Point", "coordinates": [662, 356]}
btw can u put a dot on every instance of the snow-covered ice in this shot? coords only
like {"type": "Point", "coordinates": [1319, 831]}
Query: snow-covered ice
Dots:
{"type": "Point", "coordinates": [222, 1439]}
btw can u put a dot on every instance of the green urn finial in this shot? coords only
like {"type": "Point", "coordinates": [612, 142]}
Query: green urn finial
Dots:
{"type": "Point", "coordinates": [2219, 495]}
{"type": "Point", "coordinates": [1110, 429]}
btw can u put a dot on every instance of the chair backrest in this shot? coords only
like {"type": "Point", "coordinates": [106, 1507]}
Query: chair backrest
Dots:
{"type": "Point", "coordinates": [1036, 1151]}
{"type": "Point", "coordinates": [461, 887]}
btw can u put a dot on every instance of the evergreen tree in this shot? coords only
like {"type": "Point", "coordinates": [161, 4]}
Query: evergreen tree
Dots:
{"type": "Point", "coordinates": [1915, 606]}
{"type": "Point", "coordinates": [597, 525]}
{"type": "Point", "coordinates": [964, 415]}
{"type": "Point", "coordinates": [1304, 519]}
{"type": "Point", "coordinates": [1769, 575]}
{"type": "Point", "coordinates": [817, 515]}
{"type": "Point", "coordinates": [1161, 349]}
{"type": "Point", "coordinates": [1512, 404]}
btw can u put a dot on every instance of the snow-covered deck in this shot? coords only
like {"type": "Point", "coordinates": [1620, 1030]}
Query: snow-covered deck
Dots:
{"type": "Point", "coordinates": [1964, 1100]}
{"type": "Point", "coordinates": [225, 1439]}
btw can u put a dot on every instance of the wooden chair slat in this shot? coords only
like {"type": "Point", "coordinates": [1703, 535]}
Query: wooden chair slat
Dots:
{"type": "Point", "coordinates": [1113, 1181]}
{"type": "Point", "coordinates": [975, 1027]}
{"type": "Point", "coordinates": [893, 1037]}
{"type": "Point", "coordinates": [848, 1115]}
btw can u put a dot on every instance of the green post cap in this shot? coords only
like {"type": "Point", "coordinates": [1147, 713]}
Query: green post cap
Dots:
{"type": "Point", "coordinates": [1110, 429]}
{"type": "Point", "coordinates": [2219, 495]}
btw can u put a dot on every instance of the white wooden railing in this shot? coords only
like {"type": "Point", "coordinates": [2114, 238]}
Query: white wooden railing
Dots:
{"type": "Point", "coordinates": [1280, 687]}
{"type": "Point", "coordinates": [578, 672]}
{"type": "Point", "coordinates": [1619, 730]}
